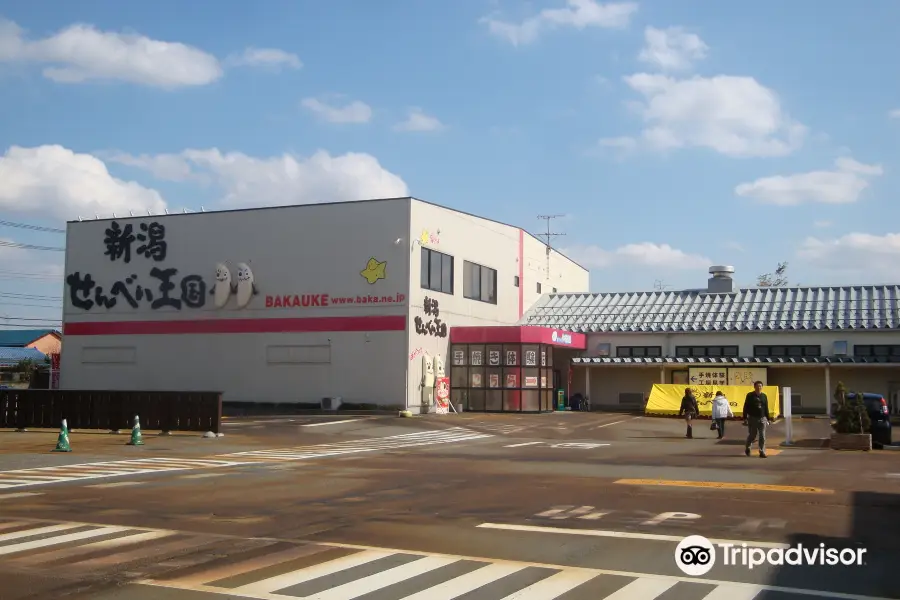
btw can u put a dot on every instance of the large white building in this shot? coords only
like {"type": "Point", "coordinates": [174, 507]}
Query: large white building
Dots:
{"type": "Point", "coordinates": [293, 304]}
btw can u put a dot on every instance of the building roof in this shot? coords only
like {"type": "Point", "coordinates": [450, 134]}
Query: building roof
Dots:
{"type": "Point", "coordinates": [19, 338]}
{"type": "Point", "coordinates": [746, 309]}
{"type": "Point", "coordinates": [10, 357]}
{"type": "Point", "coordinates": [818, 360]}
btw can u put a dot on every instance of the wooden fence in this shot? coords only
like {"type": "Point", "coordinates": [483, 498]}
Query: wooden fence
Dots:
{"type": "Point", "coordinates": [163, 411]}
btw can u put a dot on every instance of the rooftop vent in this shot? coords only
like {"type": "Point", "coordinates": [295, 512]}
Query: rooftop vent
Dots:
{"type": "Point", "coordinates": [720, 282]}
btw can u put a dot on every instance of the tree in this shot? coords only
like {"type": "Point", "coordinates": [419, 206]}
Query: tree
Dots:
{"type": "Point", "coordinates": [776, 279]}
{"type": "Point", "coordinates": [851, 415]}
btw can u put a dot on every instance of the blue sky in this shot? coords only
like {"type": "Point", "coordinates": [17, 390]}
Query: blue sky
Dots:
{"type": "Point", "coordinates": [672, 135]}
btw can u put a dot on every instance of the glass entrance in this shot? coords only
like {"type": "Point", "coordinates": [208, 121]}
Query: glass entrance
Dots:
{"type": "Point", "coordinates": [501, 377]}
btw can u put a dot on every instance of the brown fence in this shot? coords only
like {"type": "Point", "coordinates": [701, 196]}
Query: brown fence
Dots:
{"type": "Point", "coordinates": [163, 411]}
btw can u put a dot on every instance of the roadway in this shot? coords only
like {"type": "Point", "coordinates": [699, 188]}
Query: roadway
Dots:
{"type": "Point", "coordinates": [476, 507]}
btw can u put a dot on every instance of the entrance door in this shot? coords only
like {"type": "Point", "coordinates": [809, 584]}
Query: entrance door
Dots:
{"type": "Point", "coordinates": [558, 384]}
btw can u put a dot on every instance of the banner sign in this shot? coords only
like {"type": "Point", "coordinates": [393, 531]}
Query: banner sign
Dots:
{"type": "Point", "coordinates": [665, 399]}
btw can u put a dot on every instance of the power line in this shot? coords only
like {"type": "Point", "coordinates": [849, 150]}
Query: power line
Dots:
{"type": "Point", "coordinates": [5, 318]}
{"type": "Point", "coordinates": [31, 227]}
{"type": "Point", "coordinates": [54, 306]}
{"type": "Point", "coordinates": [30, 246]}
{"type": "Point", "coordinates": [29, 276]}
{"type": "Point", "coordinates": [38, 297]}
{"type": "Point", "coordinates": [30, 325]}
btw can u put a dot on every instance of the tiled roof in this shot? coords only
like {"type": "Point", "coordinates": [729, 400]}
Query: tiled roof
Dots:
{"type": "Point", "coordinates": [22, 337]}
{"type": "Point", "coordinates": [747, 309]}
{"type": "Point", "coordinates": [11, 356]}
{"type": "Point", "coordinates": [670, 360]}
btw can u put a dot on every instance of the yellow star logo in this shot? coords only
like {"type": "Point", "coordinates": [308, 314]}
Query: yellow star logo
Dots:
{"type": "Point", "coordinates": [424, 238]}
{"type": "Point", "coordinates": [374, 270]}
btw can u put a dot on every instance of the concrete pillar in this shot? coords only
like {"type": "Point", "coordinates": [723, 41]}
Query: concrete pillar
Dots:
{"type": "Point", "coordinates": [828, 391]}
{"type": "Point", "coordinates": [587, 383]}
{"type": "Point", "coordinates": [662, 375]}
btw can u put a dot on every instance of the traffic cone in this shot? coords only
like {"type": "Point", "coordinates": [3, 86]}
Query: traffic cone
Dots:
{"type": "Point", "coordinates": [136, 433]}
{"type": "Point", "coordinates": [62, 442]}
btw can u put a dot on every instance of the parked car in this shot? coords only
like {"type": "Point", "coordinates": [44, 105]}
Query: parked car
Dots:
{"type": "Point", "coordinates": [879, 415]}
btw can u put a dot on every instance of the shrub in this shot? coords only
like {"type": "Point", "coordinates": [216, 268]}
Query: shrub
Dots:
{"type": "Point", "coordinates": [851, 415]}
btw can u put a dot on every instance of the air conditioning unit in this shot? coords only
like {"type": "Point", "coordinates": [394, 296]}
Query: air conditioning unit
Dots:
{"type": "Point", "coordinates": [331, 403]}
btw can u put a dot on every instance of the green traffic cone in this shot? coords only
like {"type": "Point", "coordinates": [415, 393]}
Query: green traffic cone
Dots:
{"type": "Point", "coordinates": [136, 433]}
{"type": "Point", "coordinates": [62, 442]}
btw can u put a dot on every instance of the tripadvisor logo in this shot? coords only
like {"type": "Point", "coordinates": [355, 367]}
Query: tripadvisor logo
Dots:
{"type": "Point", "coordinates": [695, 555]}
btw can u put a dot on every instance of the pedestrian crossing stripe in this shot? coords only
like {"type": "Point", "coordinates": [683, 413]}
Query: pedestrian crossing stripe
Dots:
{"type": "Point", "coordinates": [272, 569]}
{"type": "Point", "coordinates": [99, 470]}
{"type": "Point", "coordinates": [394, 442]}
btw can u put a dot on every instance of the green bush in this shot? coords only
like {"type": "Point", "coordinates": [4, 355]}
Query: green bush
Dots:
{"type": "Point", "coordinates": [851, 415]}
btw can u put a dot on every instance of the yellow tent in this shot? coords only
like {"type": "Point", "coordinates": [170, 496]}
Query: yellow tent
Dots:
{"type": "Point", "coordinates": [665, 399]}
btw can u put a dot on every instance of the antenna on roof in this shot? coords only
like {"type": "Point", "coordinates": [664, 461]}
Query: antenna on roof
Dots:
{"type": "Point", "coordinates": [96, 216]}
{"type": "Point", "coordinates": [167, 210]}
{"type": "Point", "coordinates": [79, 218]}
{"type": "Point", "coordinates": [202, 209]}
{"type": "Point", "coordinates": [114, 216]}
{"type": "Point", "coordinates": [549, 234]}
{"type": "Point", "coordinates": [131, 212]}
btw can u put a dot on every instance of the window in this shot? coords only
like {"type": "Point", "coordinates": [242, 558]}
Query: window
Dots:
{"type": "Point", "coordinates": [706, 351]}
{"type": "Point", "coordinates": [539, 287]}
{"type": "Point", "coordinates": [516, 281]}
{"type": "Point", "coordinates": [638, 351]}
{"type": "Point", "coordinates": [787, 351]}
{"type": "Point", "coordinates": [437, 271]}
{"type": "Point", "coordinates": [881, 351]}
{"type": "Point", "coordinates": [554, 290]}
{"type": "Point", "coordinates": [479, 283]}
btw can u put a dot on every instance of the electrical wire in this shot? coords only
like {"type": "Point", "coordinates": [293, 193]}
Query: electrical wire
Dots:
{"type": "Point", "coordinates": [18, 296]}
{"type": "Point", "coordinates": [6, 244]}
{"type": "Point", "coordinates": [31, 227]}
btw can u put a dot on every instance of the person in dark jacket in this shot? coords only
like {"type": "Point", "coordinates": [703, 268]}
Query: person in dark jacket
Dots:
{"type": "Point", "coordinates": [756, 418]}
{"type": "Point", "coordinates": [689, 409]}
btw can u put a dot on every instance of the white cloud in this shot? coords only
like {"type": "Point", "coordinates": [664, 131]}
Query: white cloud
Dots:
{"type": "Point", "coordinates": [842, 185]}
{"type": "Point", "coordinates": [419, 121]}
{"type": "Point", "coordinates": [271, 58]}
{"type": "Point", "coordinates": [822, 224]}
{"type": "Point", "coordinates": [277, 180]}
{"type": "Point", "coordinates": [859, 253]}
{"type": "Point", "coordinates": [672, 49]}
{"type": "Point", "coordinates": [735, 116]}
{"type": "Point", "coordinates": [578, 14]}
{"type": "Point", "coordinates": [81, 53]}
{"type": "Point", "coordinates": [894, 114]}
{"type": "Point", "coordinates": [52, 181]}
{"type": "Point", "coordinates": [645, 254]}
{"type": "Point", "coordinates": [354, 112]}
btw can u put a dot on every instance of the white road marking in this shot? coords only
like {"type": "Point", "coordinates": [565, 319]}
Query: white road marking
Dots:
{"type": "Point", "coordinates": [329, 423]}
{"type": "Point", "coordinates": [202, 475]}
{"type": "Point", "coordinates": [53, 541]}
{"type": "Point", "coordinates": [730, 592]}
{"type": "Point", "coordinates": [553, 586]}
{"type": "Point", "coordinates": [115, 484]}
{"type": "Point", "coordinates": [642, 589]}
{"type": "Point", "coordinates": [520, 445]}
{"type": "Point", "coordinates": [15, 535]}
{"type": "Point", "coordinates": [285, 580]}
{"type": "Point", "coordinates": [383, 579]}
{"type": "Point", "coordinates": [19, 495]}
{"type": "Point", "coordinates": [621, 534]}
{"type": "Point", "coordinates": [468, 582]}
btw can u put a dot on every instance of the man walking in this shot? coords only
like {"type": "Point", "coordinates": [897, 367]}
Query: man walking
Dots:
{"type": "Point", "coordinates": [756, 418]}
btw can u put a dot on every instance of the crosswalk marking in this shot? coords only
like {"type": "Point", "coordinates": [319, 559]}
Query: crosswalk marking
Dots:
{"type": "Point", "coordinates": [281, 570]}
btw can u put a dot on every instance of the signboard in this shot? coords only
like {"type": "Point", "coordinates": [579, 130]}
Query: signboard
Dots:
{"type": "Point", "coordinates": [561, 338]}
{"type": "Point", "coordinates": [708, 376]}
{"type": "Point", "coordinates": [442, 395]}
{"type": "Point", "coordinates": [54, 371]}
{"type": "Point", "coordinates": [531, 381]}
{"type": "Point", "coordinates": [747, 376]}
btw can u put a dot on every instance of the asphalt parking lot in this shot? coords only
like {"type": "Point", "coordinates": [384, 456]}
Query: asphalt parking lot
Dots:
{"type": "Point", "coordinates": [564, 505]}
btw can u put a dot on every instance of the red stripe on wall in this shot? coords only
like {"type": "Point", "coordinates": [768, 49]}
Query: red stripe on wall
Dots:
{"type": "Point", "coordinates": [272, 325]}
{"type": "Point", "coordinates": [521, 273]}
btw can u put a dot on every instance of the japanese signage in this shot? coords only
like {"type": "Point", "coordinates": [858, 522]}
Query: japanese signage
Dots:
{"type": "Point", "coordinates": [476, 380]}
{"type": "Point", "coordinates": [531, 381]}
{"type": "Point", "coordinates": [708, 376]}
{"type": "Point", "coordinates": [561, 338]}
{"type": "Point", "coordinates": [511, 380]}
{"type": "Point", "coordinates": [494, 358]}
{"type": "Point", "coordinates": [459, 358]}
{"type": "Point", "coordinates": [494, 380]}
{"type": "Point", "coordinates": [747, 376]}
{"type": "Point", "coordinates": [511, 358]}
{"type": "Point", "coordinates": [543, 357]}
{"type": "Point", "coordinates": [530, 358]}
{"type": "Point", "coordinates": [433, 326]}
{"type": "Point", "coordinates": [476, 358]}
{"type": "Point", "coordinates": [163, 288]}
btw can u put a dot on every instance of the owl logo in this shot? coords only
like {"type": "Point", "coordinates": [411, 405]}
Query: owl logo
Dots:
{"type": "Point", "coordinates": [223, 286]}
{"type": "Point", "coordinates": [246, 285]}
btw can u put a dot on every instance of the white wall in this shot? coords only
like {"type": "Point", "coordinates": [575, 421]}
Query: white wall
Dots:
{"type": "Point", "coordinates": [315, 249]}
{"type": "Point", "coordinates": [487, 243]}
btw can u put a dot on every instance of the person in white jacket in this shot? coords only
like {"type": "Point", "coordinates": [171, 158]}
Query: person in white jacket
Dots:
{"type": "Point", "coordinates": [721, 411]}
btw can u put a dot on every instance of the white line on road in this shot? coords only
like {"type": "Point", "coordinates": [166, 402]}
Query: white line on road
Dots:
{"type": "Point", "coordinates": [329, 423]}
{"type": "Point", "coordinates": [202, 476]}
{"type": "Point", "coordinates": [621, 534]}
{"type": "Point", "coordinates": [19, 495]}
{"type": "Point", "coordinates": [520, 445]}
{"type": "Point", "coordinates": [616, 422]}
{"type": "Point", "coordinates": [115, 484]}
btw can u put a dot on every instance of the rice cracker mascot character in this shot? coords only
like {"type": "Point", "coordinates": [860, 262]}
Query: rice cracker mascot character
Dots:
{"type": "Point", "coordinates": [427, 380]}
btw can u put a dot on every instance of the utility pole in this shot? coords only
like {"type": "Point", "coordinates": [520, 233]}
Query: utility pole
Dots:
{"type": "Point", "coordinates": [549, 235]}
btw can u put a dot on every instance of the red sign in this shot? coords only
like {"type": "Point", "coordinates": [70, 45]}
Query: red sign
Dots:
{"type": "Point", "coordinates": [318, 300]}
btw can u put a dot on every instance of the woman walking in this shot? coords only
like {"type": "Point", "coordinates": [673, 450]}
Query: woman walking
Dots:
{"type": "Point", "coordinates": [689, 409]}
{"type": "Point", "coordinates": [721, 411]}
